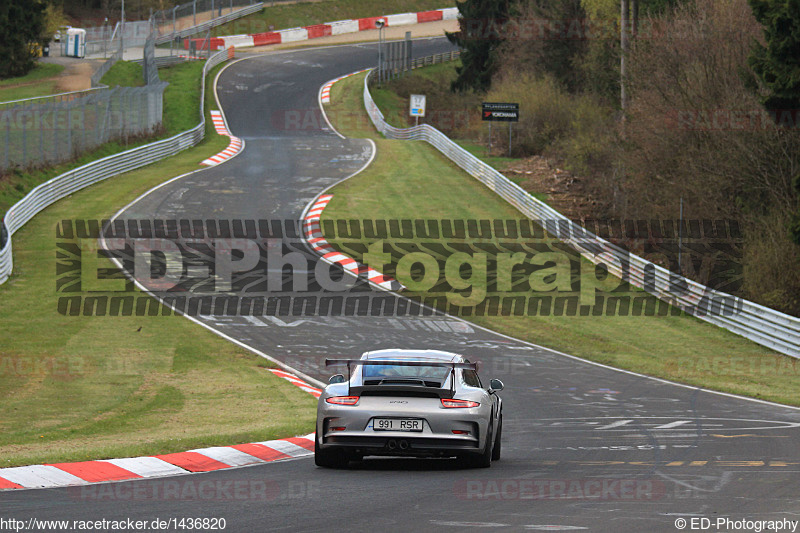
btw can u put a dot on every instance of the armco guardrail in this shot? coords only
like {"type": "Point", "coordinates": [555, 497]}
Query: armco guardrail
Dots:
{"type": "Point", "coordinates": [75, 180]}
{"type": "Point", "coordinates": [767, 327]}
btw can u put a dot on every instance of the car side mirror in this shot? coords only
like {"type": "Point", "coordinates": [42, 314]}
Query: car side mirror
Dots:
{"type": "Point", "coordinates": [337, 378]}
{"type": "Point", "coordinates": [496, 385]}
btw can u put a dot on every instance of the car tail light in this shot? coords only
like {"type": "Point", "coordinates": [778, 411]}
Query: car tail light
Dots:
{"type": "Point", "coordinates": [343, 400]}
{"type": "Point", "coordinates": [338, 428]}
{"type": "Point", "coordinates": [450, 404]}
{"type": "Point", "coordinates": [460, 432]}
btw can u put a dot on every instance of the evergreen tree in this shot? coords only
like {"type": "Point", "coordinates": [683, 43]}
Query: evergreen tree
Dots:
{"type": "Point", "coordinates": [482, 29]}
{"type": "Point", "coordinates": [777, 66]}
{"type": "Point", "coordinates": [559, 40]}
{"type": "Point", "coordinates": [21, 25]}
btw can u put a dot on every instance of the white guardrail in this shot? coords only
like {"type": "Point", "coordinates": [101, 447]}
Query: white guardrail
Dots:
{"type": "Point", "coordinates": [75, 180]}
{"type": "Point", "coordinates": [767, 327]}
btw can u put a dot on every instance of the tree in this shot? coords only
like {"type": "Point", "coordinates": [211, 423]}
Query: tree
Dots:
{"type": "Point", "coordinates": [552, 40]}
{"type": "Point", "coordinates": [483, 27]}
{"type": "Point", "coordinates": [22, 26]}
{"type": "Point", "coordinates": [53, 20]}
{"type": "Point", "coordinates": [777, 66]}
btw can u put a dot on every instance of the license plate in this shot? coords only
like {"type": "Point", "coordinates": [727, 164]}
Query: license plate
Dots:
{"type": "Point", "coordinates": [397, 424]}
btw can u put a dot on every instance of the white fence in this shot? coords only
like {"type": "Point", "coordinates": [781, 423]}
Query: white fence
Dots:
{"type": "Point", "coordinates": [113, 165]}
{"type": "Point", "coordinates": [760, 324]}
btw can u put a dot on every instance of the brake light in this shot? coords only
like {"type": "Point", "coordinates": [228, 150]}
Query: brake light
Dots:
{"type": "Point", "coordinates": [343, 400]}
{"type": "Point", "coordinates": [450, 404]}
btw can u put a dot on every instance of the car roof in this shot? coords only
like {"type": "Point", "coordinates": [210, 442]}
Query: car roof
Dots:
{"type": "Point", "coordinates": [418, 355]}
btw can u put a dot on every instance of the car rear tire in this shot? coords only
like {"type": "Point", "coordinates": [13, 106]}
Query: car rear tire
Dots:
{"type": "Point", "coordinates": [329, 458]}
{"type": "Point", "coordinates": [484, 459]}
{"type": "Point", "coordinates": [497, 446]}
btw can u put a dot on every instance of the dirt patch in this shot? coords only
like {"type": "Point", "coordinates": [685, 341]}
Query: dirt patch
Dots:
{"type": "Point", "coordinates": [77, 76]}
{"type": "Point", "coordinates": [566, 192]}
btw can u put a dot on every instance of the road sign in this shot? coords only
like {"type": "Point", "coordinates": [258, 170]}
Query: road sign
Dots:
{"type": "Point", "coordinates": [500, 112]}
{"type": "Point", "coordinates": [417, 105]}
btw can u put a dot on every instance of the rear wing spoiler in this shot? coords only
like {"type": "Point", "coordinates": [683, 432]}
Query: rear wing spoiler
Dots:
{"type": "Point", "coordinates": [382, 362]}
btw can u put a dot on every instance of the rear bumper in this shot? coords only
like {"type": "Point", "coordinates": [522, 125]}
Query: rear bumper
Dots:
{"type": "Point", "coordinates": [397, 444]}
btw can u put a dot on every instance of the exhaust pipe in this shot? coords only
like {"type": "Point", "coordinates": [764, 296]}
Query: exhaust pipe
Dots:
{"type": "Point", "coordinates": [403, 445]}
{"type": "Point", "coordinates": [392, 444]}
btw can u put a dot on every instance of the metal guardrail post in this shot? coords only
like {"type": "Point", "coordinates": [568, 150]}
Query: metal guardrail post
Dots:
{"type": "Point", "coordinates": [24, 140]}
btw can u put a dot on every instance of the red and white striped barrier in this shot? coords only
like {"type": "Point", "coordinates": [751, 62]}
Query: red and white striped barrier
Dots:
{"type": "Point", "coordinates": [313, 235]}
{"type": "Point", "coordinates": [233, 148]}
{"type": "Point", "coordinates": [316, 31]}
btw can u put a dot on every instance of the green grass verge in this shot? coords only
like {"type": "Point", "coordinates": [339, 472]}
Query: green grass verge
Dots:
{"type": "Point", "coordinates": [125, 74]}
{"type": "Point", "coordinates": [35, 83]}
{"type": "Point", "coordinates": [180, 113]}
{"type": "Point", "coordinates": [79, 388]}
{"type": "Point", "coordinates": [679, 348]}
{"type": "Point", "coordinates": [304, 14]}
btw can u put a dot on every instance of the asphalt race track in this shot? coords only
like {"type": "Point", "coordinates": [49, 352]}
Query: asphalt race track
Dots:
{"type": "Point", "coordinates": [584, 447]}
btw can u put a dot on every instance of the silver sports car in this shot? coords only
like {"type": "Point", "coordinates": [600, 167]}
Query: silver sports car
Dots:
{"type": "Point", "coordinates": [420, 403]}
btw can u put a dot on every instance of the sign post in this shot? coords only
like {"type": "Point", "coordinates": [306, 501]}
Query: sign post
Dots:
{"type": "Point", "coordinates": [500, 112]}
{"type": "Point", "coordinates": [417, 107]}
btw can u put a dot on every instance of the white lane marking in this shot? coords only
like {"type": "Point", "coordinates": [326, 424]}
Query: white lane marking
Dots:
{"type": "Point", "coordinates": [674, 424]}
{"type": "Point", "coordinates": [468, 524]}
{"type": "Point", "coordinates": [254, 320]}
{"type": "Point", "coordinates": [655, 422]}
{"type": "Point", "coordinates": [553, 527]}
{"type": "Point", "coordinates": [616, 424]}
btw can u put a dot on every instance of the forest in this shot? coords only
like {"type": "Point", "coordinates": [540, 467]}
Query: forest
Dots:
{"type": "Point", "coordinates": [656, 106]}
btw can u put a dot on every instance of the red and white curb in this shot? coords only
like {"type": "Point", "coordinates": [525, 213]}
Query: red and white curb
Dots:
{"type": "Point", "coordinates": [321, 30]}
{"type": "Point", "coordinates": [297, 382]}
{"type": "Point", "coordinates": [325, 94]}
{"type": "Point", "coordinates": [200, 460]}
{"type": "Point", "coordinates": [233, 148]}
{"type": "Point", "coordinates": [313, 234]}
{"type": "Point", "coordinates": [171, 464]}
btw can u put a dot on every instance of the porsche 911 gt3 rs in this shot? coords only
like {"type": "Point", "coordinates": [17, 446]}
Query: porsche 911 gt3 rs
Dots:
{"type": "Point", "coordinates": [416, 403]}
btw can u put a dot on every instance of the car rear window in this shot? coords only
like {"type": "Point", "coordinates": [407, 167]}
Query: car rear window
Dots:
{"type": "Point", "coordinates": [433, 373]}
